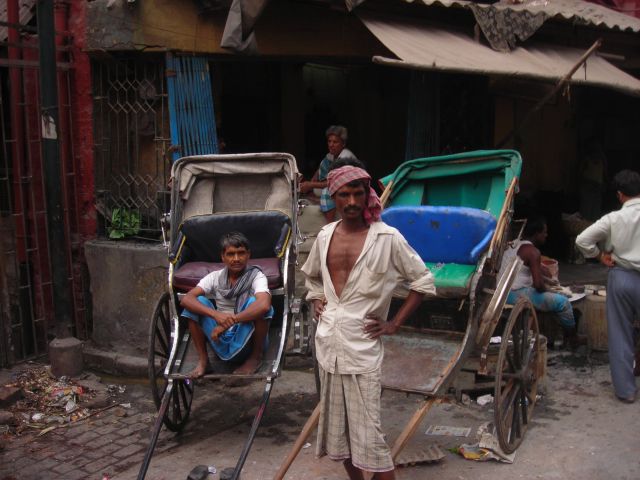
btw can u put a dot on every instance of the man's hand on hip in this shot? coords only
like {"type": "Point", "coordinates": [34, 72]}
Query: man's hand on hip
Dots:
{"type": "Point", "coordinates": [318, 308]}
{"type": "Point", "coordinates": [374, 327]}
{"type": "Point", "coordinates": [606, 259]}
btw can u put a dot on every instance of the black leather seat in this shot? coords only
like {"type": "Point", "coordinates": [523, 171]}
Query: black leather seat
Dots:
{"type": "Point", "coordinates": [197, 248]}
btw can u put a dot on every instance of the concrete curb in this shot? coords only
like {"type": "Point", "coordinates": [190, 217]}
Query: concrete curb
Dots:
{"type": "Point", "coordinates": [113, 362]}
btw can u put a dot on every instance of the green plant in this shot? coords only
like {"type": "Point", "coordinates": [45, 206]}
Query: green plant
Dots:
{"type": "Point", "coordinates": [124, 223]}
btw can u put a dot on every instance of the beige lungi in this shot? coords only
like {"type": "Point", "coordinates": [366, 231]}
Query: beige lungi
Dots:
{"type": "Point", "coordinates": [349, 425]}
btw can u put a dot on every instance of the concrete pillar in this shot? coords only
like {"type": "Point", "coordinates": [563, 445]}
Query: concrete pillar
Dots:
{"type": "Point", "coordinates": [65, 355]}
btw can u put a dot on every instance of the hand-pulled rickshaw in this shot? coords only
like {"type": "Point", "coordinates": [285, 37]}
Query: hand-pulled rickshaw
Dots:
{"type": "Point", "coordinates": [212, 195]}
{"type": "Point", "coordinates": [456, 212]}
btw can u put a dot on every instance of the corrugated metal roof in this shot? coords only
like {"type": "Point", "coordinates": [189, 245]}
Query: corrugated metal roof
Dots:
{"type": "Point", "coordinates": [421, 46]}
{"type": "Point", "coordinates": [26, 13]}
{"type": "Point", "coordinates": [575, 10]}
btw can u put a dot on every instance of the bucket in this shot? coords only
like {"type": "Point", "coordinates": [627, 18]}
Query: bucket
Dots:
{"type": "Point", "coordinates": [595, 317]}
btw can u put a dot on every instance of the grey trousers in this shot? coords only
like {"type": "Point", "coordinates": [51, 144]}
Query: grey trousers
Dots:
{"type": "Point", "coordinates": [623, 306]}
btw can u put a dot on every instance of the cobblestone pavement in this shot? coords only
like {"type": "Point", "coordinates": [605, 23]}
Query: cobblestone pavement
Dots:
{"type": "Point", "coordinates": [104, 443]}
{"type": "Point", "coordinates": [579, 431]}
{"type": "Point", "coordinates": [110, 442]}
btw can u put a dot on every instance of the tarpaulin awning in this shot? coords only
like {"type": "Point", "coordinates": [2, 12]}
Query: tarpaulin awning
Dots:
{"type": "Point", "coordinates": [422, 46]}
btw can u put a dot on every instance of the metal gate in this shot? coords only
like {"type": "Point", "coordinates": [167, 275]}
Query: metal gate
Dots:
{"type": "Point", "coordinates": [131, 135]}
{"type": "Point", "coordinates": [27, 320]}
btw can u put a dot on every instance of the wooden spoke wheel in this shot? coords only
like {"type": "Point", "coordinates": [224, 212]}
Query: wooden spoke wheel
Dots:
{"type": "Point", "coordinates": [158, 356]}
{"type": "Point", "coordinates": [517, 372]}
{"type": "Point", "coordinates": [159, 347]}
{"type": "Point", "coordinates": [179, 405]}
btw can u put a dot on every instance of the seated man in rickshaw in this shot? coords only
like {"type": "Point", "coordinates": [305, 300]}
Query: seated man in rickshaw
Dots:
{"type": "Point", "coordinates": [238, 322]}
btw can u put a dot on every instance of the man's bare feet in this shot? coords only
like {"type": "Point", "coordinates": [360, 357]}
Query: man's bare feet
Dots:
{"type": "Point", "coordinates": [250, 366]}
{"type": "Point", "coordinates": [199, 371]}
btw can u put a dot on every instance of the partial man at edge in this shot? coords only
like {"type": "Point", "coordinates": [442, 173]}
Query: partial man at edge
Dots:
{"type": "Point", "coordinates": [615, 241]}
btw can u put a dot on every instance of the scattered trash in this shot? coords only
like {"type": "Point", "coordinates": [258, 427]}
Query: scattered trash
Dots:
{"type": "Point", "coordinates": [105, 477]}
{"type": "Point", "coordinates": [306, 445]}
{"type": "Point", "coordinates": [125, 405]}
{"type": "Point", "coordinates": [120, 412]}
{"type": "Point", "coordinates": [56, 419]}
{"type": "Point", "coordinates": [47, 430]}
{"type": "Point", "coordinates": [488, 448]}
{"type": "Point", "coordinates": [497, 339]}
{"type": "Point", "coordinates": [430, 454]}
{"type": "Point", "coordinates": [212, 470]}
{"type": "Point", "coordinates": [46, 403]}
{"type": "Point", "coordinates": [36, 417]}
{"type": "Point", "coordinates": [465, 399]}
{"type": "Point", "coordinates": [113, 390]}
{"type": "Point", "coordinates": [448, 431]}
{"type": "Point", "coordinates": [70, 406]}
{"type": "Point", "coordinates": [484, 399]}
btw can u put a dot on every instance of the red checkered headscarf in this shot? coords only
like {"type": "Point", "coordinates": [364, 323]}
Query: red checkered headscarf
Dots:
{"type": "Point", "coordinates": [339, 177]}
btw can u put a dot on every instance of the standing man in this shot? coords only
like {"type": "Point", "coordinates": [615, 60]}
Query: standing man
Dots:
{"type": "Point", "coordinates": [352, 270]}
{"type": "Point", "coordinates": [615, 241]}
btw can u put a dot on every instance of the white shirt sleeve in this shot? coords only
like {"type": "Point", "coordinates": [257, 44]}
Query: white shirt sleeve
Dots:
{"type": "Point", "coordinates": [418, 277]}
{"type": "Point", "coordinates": [260, 284]}
{"type": "Point", "coordinates": [598, 233]}
{"type": "Point", "coordinates": [208, 282]}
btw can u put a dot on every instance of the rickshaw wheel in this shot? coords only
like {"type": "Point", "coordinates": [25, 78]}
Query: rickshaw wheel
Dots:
{"type": "Point", "coordinates": [159, 351]}
{"type": "Point", "coordinates": [159, 347]}
{"type": "Point", "coordinates": [517, 372]}
{"type": "Point", "coordinates": [179, 405]}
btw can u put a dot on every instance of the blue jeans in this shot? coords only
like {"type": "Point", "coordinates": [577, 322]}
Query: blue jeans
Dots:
{"type": "Point", "coordinates": [547, 302]}
{"type": "Point", "coordinates": [233, 343]}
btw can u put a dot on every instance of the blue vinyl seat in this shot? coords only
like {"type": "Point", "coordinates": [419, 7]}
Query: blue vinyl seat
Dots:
{"type": "Point", "coordinates": [450, 240]}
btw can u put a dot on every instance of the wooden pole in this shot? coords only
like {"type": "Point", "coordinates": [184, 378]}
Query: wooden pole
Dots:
{"type": "Point", "coordinates": [410, 429]}
{"type": "Point", "coordinates": [386, 194]}
{"type": "Point", "coordinates": [312, 423]}
{"type": "Point", "coordinates": [553, 91]}
{"type": "Point", "coordinates": [497, 237]}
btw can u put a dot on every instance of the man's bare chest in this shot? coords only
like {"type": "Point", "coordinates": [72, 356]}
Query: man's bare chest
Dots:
{"type": "Point", "coordinates": [344, 251]}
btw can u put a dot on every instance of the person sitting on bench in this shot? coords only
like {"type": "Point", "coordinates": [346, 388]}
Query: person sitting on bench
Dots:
{"type": "Point", "coordinates": [530, 280]}
{"type": "Point", "coordinates": [237, 323]}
